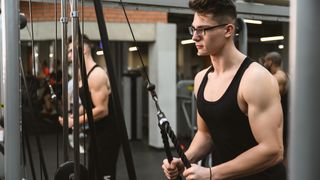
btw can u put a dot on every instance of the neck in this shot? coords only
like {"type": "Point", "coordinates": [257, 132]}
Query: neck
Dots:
{"type": "Point", "coordinates": [89, 62]}
{"type": "Point", "coordinates": [227, 59]}
{"type": "Point", "coordinates": [274, 70]}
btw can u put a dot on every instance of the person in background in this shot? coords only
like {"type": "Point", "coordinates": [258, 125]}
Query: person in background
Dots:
{"type": "Point", "coordinates": [238, 103]}
{"type": "Point", "coordinates": [273, 62]}
{"type": "Point", "coordinates": [108, 143]}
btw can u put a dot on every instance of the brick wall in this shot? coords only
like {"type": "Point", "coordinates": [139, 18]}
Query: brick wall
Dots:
{"type": "Point", "coordinates": [46, 12]}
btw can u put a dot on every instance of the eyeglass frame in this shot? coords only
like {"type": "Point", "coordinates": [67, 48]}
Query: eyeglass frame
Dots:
{"type": "Point", "coordinates": [203, 30]}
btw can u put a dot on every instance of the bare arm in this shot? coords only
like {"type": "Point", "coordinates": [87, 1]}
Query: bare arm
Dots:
{"type": "Point", "coordinates": [200, 145]}
{"type": "Point", "coordinates": [202, 142]}
{"type": "Point", "coordinates": [282, 81]}
{"type": "Point", "coordinates": [259, 91]}
{"type": "Point", "coordinates": [100, 91]}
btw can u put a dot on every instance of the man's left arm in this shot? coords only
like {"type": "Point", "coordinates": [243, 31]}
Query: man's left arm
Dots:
{"type": "Point", "coordinates": [260, 92]}
{"type": "Point", "coordinates": [99, 94]}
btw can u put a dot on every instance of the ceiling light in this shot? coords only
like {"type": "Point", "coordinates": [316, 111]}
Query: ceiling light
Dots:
{"type": "Point", "coordinates": [133, 48]}
{"type": "Point", "coordinates": [251, 21]}
{"type": "Point", "coordinates": [99, 53]}
{"type": "Point", "coordinates": [188, 41]}
{"type": "Point", "coordinates": [281, 46]}
{"type": "Point", "coordinates": [271, 38]}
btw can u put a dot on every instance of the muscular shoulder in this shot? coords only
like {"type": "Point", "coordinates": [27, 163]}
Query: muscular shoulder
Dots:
{"type": "Point", "coordinates": [198, 78]}
{"type": "Point", "coordinates": [98, 78]}
{"type": "Point", "coordinates": [258, 85]}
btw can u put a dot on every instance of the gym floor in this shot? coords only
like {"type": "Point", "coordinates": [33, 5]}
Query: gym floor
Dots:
{"type": "Point", "coordinates": [147, 160]}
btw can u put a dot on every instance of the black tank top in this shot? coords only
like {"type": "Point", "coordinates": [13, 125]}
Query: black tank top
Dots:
{"type": "Point", "coordinates": [106, 123]}
{"type": "Point", "coordinates": [228, 126]}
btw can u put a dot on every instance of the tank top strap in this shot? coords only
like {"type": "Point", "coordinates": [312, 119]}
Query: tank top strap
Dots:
{"type": "Point", "coordinates": [204, 82]}
{"type": "Point", "coordinates": [92, 69]}
{"type": "Point", "coordinates": [245, 64]}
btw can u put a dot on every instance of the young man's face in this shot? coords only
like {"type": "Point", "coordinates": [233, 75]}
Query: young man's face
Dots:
{"type": "Point", "coordinates": [208, 42]}
{"type": "Point", "coordinates": [86, 49]}
{"type": "Point", "coordinates": [70, 52]}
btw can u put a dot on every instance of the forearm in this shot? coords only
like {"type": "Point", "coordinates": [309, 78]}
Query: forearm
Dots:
{"type": "Point", "coordinates": [250, 162]}
{"type": "Point", "coordinates": [96, 113]}
{"type": "Point", "coordinates": [200, 146]}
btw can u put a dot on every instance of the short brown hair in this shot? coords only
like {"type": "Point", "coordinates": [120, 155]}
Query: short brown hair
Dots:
{"type": "Point", "coordinates": [220, 9]}
{"type": "Point", "coordinates": [85, 38]}
{"type": "Point", "coordinates": [275, 57]}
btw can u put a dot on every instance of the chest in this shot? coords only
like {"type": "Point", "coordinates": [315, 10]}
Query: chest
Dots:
{"type": "Point", "coordinates": [217, 85]}
{"type": "Point", "coordinates": [219, 88]}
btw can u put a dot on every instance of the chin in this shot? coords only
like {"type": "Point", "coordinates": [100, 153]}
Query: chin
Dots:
{"type": "Point", "coordinates": [201, 53]}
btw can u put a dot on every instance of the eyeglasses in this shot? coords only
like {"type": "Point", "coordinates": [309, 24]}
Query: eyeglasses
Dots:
{"type": "Point", "coordinates": [202, 31]}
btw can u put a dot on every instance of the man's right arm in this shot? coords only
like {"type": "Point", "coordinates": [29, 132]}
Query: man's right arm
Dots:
{"type": "Point", "coordinates": [202, 141]}
{"type": "Point", "coordinates": [199, 148]}
{"type": "Point", "coordinates": [201, 144]}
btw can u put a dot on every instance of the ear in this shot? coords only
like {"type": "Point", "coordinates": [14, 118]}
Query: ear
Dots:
{"type": "Point", "coordinates": [229, 30]}
{"type": "Point", "coordinates": [85, 49]}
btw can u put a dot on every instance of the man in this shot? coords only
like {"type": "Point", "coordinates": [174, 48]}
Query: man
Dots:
{"type": "Point", "coordinates": [106, 131]}
{"type": "Point", "coordinates": [239, 111]}
{"type": "Point", "coordinates": [273, 62]}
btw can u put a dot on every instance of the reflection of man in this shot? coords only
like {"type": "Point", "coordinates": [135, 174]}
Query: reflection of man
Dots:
{"type": "Point", "coordinates": [239, 112]}
{"type": "Point", "coordinates": [273, 62]}
{"type": "Point", "coordinates": [105, 125]}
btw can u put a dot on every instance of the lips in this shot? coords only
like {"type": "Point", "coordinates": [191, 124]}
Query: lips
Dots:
{"type": "Point", "coordinates": [199, 46]}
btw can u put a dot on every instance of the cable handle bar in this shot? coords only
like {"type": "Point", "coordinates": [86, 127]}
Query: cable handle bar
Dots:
{"type": "Point", "coordinates": [166, 129]}
{"type": "Point", "coordinates": [163, 122]}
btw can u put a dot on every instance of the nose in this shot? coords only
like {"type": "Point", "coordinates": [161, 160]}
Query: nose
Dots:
{"type": "Point", "coordinates": [195, 36]}
{"type": "Point", "coordinates": [70, 55]}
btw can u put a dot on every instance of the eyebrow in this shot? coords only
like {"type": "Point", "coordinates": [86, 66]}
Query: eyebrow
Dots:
{"type": "Point", "coordinates": [202, 26]}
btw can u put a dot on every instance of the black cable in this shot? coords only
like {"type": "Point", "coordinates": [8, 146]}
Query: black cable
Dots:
{"type": "Point", "coordinates": [75, 56]}
{"type": "Point", "coordinates": [64, 63]}
{"type": "Point", "coordinates": [164, 126]}
{"type": "Point", "coordinates": [25, 137]}
{"type": "Point", "coordinates": [88, 103]}
{"type": "Point", "coordinates": [43, 168]}
{"type": "Point", "coordinates": [83, 126]}
{"type": "Point", "coordinates": [56, 77]}
{"type": "Point", "coordinates": [145, 73]}
{"type": "Point", "coordinates": [121, 127]}
{"type": "Point", "coordinates": [42, 164]}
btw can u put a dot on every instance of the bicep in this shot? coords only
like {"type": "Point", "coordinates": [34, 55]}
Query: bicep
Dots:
{"type": "Point", "coordinates": [99, 93]}
{"type": "Point", "coordinates": [266, 122]}
{"type": "Point", "coordinates": [201, 124]}
{"type": "Point", "coordinates": [282, 82]}
{"type": "Point", "coordinates": [201, 143]}
{"type": "Point", "coordinates": [265, 112]}
{"type": "Point", "coordinates": [99, 96]}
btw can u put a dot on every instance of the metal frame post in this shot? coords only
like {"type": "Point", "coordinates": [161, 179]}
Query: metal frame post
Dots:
{"type": "Point", "coordinates": [75, 62]}
{"type": "Point", "coordinates": [304, 148]}
{"type": "Point", "coordinates": [64, 57]}
{"type": "Point", "coordinates": [10, 73]}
